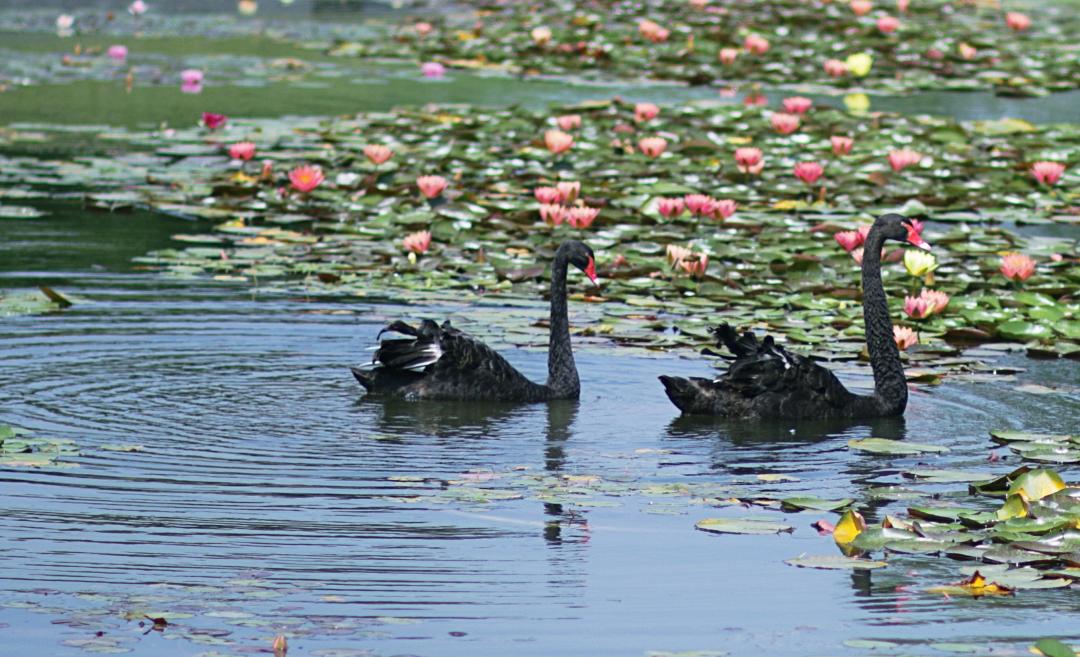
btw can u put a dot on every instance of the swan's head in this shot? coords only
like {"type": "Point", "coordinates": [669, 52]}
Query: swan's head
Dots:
{"type": "Point", "coordinates": [902, 229]}
{"type": "Point", "coordinates": [581, 256]}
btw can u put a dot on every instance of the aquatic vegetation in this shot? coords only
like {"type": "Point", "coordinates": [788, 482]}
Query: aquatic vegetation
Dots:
{"type": "Point", "coordinates": [191, 81]}
{"type": "Point", "coordinates": [242, 150]}
{"type": "Point", "coordinates": [32, 303]}
{"type": "Point", "coordinates": [22, 449]}
{"type": "Point", "coordinates": [431, 186]}
{"type": "Point", "coordinates": [306, 178]}
{"type": "Point", "coordinates": [1047, 173]}
{"type": "Point", "coordinates": [418, 242]}
{"type": "Point", "coordinates": [782, 264]}
{"type": "Point", "coordinates": [432, 70]}
{"type": "Point", "coordinates": [1017, 266]}
{"type": "Point", "coordinates": [615, 38]}
{"type": "Point", "coordinates": [905, 338]}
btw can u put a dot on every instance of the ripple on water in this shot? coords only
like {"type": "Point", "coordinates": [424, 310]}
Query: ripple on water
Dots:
{"type": "Point", "coordinates": [258, 455]}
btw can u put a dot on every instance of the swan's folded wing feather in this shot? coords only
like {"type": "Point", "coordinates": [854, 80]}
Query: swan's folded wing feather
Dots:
{"type": "Point", "coordinates": [774, 370]}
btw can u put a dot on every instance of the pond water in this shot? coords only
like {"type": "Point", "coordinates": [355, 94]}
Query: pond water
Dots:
{"type": "Point", "coordinates": [262, 497]}
{"type": "Point", "coordinates": [232, 479]}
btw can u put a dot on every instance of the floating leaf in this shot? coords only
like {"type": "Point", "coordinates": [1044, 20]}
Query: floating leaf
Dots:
{"type": "Point", "coordinates": [835, 562]}
{"type": "Point", "coordinates": [742, 526]}
{"type": "Point", "coordinates": [893, 447]}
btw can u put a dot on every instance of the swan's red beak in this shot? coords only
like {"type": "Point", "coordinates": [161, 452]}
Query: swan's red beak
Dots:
{"type": "Point", "coordinates": [590, 271]}
{"type": "Point", "coordinates": [916, 239]}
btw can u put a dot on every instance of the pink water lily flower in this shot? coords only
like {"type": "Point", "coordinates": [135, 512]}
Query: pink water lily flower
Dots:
{"type": "Point", "coordinates": [653, 31]}
{"type": "Point", "coordinates": [888, 24]}
{"type": "Point", "coordinates": [423, 28]}
{"type": "Point", "coordinates": [558, 141]}
{"type": "Point", "coordinates": [1047, 173]}
{"type": "Point", "coordinates": [903, 158]}
{"type": "Point", "coordinates": [849, 239]}
{"type": "Point", "coordinates": [808, 172]}
{"type": "Point", "coordinates": [431, 186]}
{"type": "Point", "coordinates": [861, 7]}
{"type": "Point", "coordinates": [117, 53]}
{"type": "Point", "coordinates": [645, 112]}
{"type": "Point", "coordinates": [418, 242]}
{"type": "Point", "coordinates": [695, 264]}
{"type": "Point", "coordinates": [676, 254]}
{"type": "Point", "coordinates": [581, 217]}
{"type": "Point", "coordinates": [904, 337]}
{"type": "Point", "coordinates": [541, 36]}
{"type": "Point", "coordinates": [568, 191]}
{"type": "Point", "coordinates": [755, 44]}
{"type": "Point", "coordinates": [653, 146]}
{"type": "Point", "coordinates": [432, 70]}
{"type": "Point", "coordinates": [552, 213]}
{"type": "Point", "coordinates": [1017, 22]}
{"type": "Point", "coordinates": [857, 254]}
{"type": "Point", "coordinates": [306, 178]}
{"type": "Point", "coordinates": [784, 123]}
{"type": "Point", "coordinates": [699, 204]}
{"type": "Point", "coordinates": [242, 150]}
{"type": "Point", "coordinates": [902, 6]}
{"type": "Point", "coordinates": [967, 51]}
{"type": "Point", "coordinates": [917, 307]}
{"type": "Point", "coordinates": [137, 8]}
{"type": "Point", "coordinates": [547, 195]}
{"type": "Point", "coordinates": [841, 145]}
{"type": "Point", "coordinates": [377, 153]}
{"type": "Point", "coordinates": [798, 104]}
{"type": "Point", "coordinates": [724, 208]}
{"type": "Point", "coordinates": [191, 81]}
{"type": "Point", "coordinates": [749, 160]}
{"type": "Point", "coordinates": [670, 207]}
{"type": "Point", "coordinates": [1017, 266]}
{"type": "Point", "coordinates": [569, 122]}
{"type": "Point", "coordinates": [835, 68]}
{"type": "Point", "coordinates": [728, 56]}
{"type": "Point", "coordinates": [755, 99]}
{"type": "Point", "coordinates": [214, 121]}
{"type": "Point", "coordinates": [937, 299]}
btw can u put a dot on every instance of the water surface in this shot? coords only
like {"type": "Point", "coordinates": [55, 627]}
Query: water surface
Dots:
{"type": "Point", "coordinates": [269, 496]}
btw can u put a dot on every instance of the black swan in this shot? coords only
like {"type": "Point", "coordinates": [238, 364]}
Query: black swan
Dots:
{"type": "Point", "coordinates": [441, 362]}
{"type": "Point", "coordinates": [766, 381]}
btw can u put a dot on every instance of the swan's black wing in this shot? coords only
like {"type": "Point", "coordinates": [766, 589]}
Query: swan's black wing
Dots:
{"type": "Point", "coordinates": [764, 380]}
{"type": "Point", "coordinates": [441, 362]}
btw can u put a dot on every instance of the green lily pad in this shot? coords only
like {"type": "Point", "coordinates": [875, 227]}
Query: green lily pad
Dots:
{"type": "Point", "coordinates": [888, 446]}
{"type": "Point", "coordinates": [835, 562]}
{"type": "Point", "coordinates": [742, 526]}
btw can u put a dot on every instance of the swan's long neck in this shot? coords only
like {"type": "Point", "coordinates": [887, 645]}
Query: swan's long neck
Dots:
{"type": "Point", "coordinates": [890, 386]}
{"type": "Point", "coordinates": [562, 373]}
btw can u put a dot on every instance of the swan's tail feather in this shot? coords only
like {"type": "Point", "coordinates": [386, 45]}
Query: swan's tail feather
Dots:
{"type": "Point", "coordinates": [364, 376]}
{"type": "Point", "coordinates": [680, 391]}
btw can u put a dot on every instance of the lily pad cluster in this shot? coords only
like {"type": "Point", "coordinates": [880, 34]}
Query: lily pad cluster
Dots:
{"type": "Point", "coordinates": [771, 263]}
{"type": "Point", "coordinates": [923, 45]}
{"type": "Point", "coordinates": [20, 448]}
{"type": "Point", "coordinates": [1024, 525]}
{"type": "Point", "coordinates": [43, 300]}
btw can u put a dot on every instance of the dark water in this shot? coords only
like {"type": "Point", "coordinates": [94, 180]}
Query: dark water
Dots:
{"type": "Point", "coordinates": [261, 501]}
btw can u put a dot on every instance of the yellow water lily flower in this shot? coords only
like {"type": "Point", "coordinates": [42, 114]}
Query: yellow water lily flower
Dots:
{"type": "Point", "coordinates": [857, 103]}
{"type": "Point", "coordinates": [919, 263]}
{"type": "Point", "coordinates": [859, 64]}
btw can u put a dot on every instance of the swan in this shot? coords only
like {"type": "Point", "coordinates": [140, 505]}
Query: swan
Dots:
{"type": "Point", "coordinates": [441, 362]}
{"type": "Point", "coordinates": [766, 381]}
